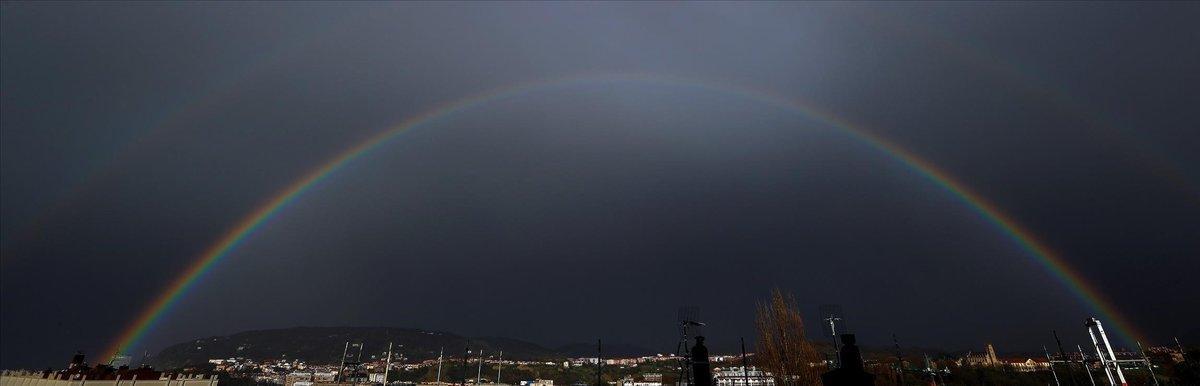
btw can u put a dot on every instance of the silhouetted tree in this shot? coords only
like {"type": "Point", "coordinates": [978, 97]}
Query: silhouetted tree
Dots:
{"type": "Point", "coordinates": [783, 348]}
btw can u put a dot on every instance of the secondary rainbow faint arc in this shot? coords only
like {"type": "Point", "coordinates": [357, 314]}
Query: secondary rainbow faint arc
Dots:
{"type": "Point", "coordinates": [231, 239]}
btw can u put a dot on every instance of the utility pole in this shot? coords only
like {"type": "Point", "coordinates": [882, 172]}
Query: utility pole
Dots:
{"type": "Point", "coordinates": [1182, 353]}
{"type": "Point", "coordinates": [479, 371]}
{"type": "Point", "coordinates": [441, 351]}
{"type": "Point", "coordinates": [388, 366]}
{"type": "Point", "coordinates": [499, 364]}
{"type": "Point", "coordinates": [837, 351]}
{"type": "Point", "coordinates": [1086, 369]}
{"type": "Point", "coordinates": [899, 360]}
{"type": "Point", "coordinates": [745, 368]}
{"type": "Point", "coordinates": [599, 363]}
{"type": "Point", "coordinates": [463, 368]}
{"type": "Point", "coordinates": [1063, 356]}
{"type": "Point", "coordinates": [1149, 366]}
{"type": "Point", "coordinates": [929, 368]}
{"type": "Point", "coordinates": [1051, 363]}
{"type": "Point", "coordinates": [342, 367]}
{"type": "Point", "coordinates": [1104, 352]}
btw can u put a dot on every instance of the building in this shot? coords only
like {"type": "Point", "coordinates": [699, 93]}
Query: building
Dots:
{"type": "Point", "coordinates": [1170, 354]}
{"type": "Point", "coordinates": [739, 376]}
{"type": "Point", "coordinates": [538, 382]}
{"type": "Point", "coordinates": [78, 369]}
{"type": "Point", "coordinates": [309, 378]}
{"type": "Point", "coordinates": [584, 361]}
{"type": "Point", "coordinates": [78, 373]}
{"type": "Point", "coordinates": [630, 381]}
{"type": "Point", "coordinates": [120, 361]}
{"type": "Point", "coordinates": [987, 358]}
{"type": "Point", "coordinates": [1026, 365]}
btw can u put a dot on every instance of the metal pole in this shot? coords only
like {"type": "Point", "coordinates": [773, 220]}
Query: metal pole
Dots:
{"type": "Point", "coordinates": [1051, 363]}
{"type": "Point", "coordinates": [441, 351]}
{"type": "Point", "coordinates": [479, 371]}
{"type": "Point", "coordinates": [599, 363]}
{"type": "Point", "coordinates": [685, 360]}
{"type": "Point", "coordinates": [1063, 356]}
{"type": "Point", "coordinates": [1149, 366]}
{"type": "Point", "coordinates": [745, 369]}
{"type": "Point", "coordinates": [929, 368]}
{"type": "Point", "coordinates": [463, 369]}
{"type": "Point", "coordinates": [1100, 355]}
{"type": "Point", "coordinates": [342, 367]}
{"type": "Point", "coordinates": [1086, 369]}
{"type": "Point", "coordinates": [899, 360]}
{"type": "Point", "coordinates": [1182, 353]}
{"type": "Point", "coordinates": [837, 351]}
{"type": "Point", "coordinates": [499, 364]}
{"type": "Point", "coordinates": [387, 367]}
{"type": "Point", "coordinates": [1112, 356]}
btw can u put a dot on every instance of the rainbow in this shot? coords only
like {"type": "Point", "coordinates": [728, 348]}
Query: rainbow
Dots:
{"type": "Point", "coordinates": [235, 236]}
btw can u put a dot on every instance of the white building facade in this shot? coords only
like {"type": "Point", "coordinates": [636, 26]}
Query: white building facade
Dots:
{"type": "Point", "coordinates": [739, 376]}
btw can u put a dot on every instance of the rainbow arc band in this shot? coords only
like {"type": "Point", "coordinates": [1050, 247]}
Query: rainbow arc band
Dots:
{"type": "Point", "coordinates": [235, 236]}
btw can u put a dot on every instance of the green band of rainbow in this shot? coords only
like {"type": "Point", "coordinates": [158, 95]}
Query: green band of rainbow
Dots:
{"type": "Point", "coordinates": [1037, 250]}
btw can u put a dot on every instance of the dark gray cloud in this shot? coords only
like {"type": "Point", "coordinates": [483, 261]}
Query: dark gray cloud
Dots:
{"type": "Point", "coordinates": [135, 135]}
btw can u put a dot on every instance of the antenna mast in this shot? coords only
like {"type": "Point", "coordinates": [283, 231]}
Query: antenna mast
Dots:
{"type": "Point", "coordinates": [479, 371]}
{"type": "Point", "coordinates": [1104, 352]}
{"type": "Point", "coordinates": [466, 354]}
{"type": "Point", "coordinates": [745, 369]}
{"type": "Point", "coordinates": [342, 367]}
{"type": "Point", "coordinates": [1051, 363]}
{"type": "Point", "coordinates": [599, 363]}
{"type": "Point", "coordinates": [899, 360]}
{"type": "Point", "coordinates": [1182, 352]}
{"type": "Point", "coordinates": [688, 327]}
{"type": "Point", "coordinates": [441, 350]}
{"type": "Point", "coordinates": [388, 366]}
{"type": "Point", "coordinates": [832, 315]}
{"type": "Point", "coordinates": [1149, 366]}
{"type": "Point", "coordinates": [1062, 356]}
{"type": "Point", "coordinates": [1083, 361]}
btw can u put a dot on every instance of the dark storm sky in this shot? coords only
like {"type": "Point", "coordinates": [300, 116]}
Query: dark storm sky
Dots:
{"type": "Point", "coordinates": [134, 136]}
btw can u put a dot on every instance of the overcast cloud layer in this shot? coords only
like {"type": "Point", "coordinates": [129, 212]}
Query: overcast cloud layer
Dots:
{"type": "Point", "coordinates": [133, 136]}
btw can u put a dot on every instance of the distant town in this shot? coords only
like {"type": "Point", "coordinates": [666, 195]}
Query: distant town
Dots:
{"type": "Point", "coordinates": [782, 355]}
{"type": "Point", "coordinates": [1153, 366]}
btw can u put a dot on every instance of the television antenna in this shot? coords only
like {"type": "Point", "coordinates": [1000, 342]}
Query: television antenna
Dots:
{"type": "Point", "coordinates": [689, 327]}
{"type": "Point", "coordinates": [834, 323]}
{"type": "Point", "coordinates": [1104, 352]}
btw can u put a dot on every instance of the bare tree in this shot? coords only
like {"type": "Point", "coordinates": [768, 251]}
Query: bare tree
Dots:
{"type": "Point", "coordinates": [783, 348]}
